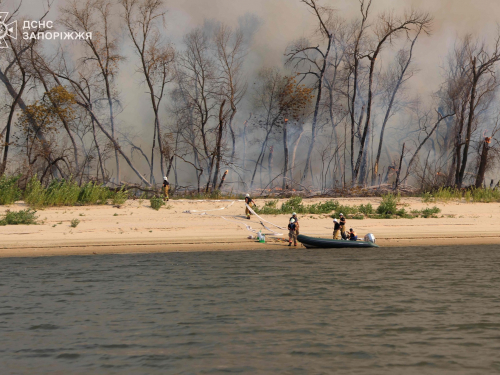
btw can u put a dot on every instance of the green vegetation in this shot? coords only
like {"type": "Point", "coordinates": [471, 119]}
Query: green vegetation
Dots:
{"type": "Point", "coordinates": [92, 193]}
{"type": "Point", "coordinates": [211, 195]}
{"type": "Point", "coordinates": [120, 197]}
{"type": "Point", "coordinates": [58, 193]}
{"type": "Point", "coordinates": [141, 198]}
{"type": "Point", "coordinates": [448, 194]}
{"type": "Point", "coordinates": [23, 217]}
{"type": "Point", "coordinates": [64, 193]}
{"type": "Point", "coordinates": [386, 210]}
{"type": "Point", "coordinates": [294, 204]}
{"type": "Point", "coordinates": [74, 223]}
{"type": "Point", "coordinates": [388, 206]}
{"type": "Point", "coordinates": [156, 202]}
{"type": "Point", "coordinates": [430, 212]}
{"type": "Point", "coordinates": [9, 191]}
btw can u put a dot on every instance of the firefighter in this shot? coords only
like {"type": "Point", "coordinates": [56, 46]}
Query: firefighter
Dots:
{"type": "Point", "coordinates": [248, 201]}
{"type": "Point", "coordinates": [166, 188]}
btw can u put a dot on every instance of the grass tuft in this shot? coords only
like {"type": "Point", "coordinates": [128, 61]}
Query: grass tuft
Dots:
{"type": "Point", "coordinates": [9, 191]}
{"type": "Point", "coordinates": [68, 193]}
{"type": "Point", "coordinates": [447, 194]}
{"type": "Point", "coordinates": [23, 217]}
{"type": "Point", "coordinates": [389, 203]}
{"type": "Point", "coordinates": [156, 202]}
{"type": "Point", "coordinates": [120, 197]}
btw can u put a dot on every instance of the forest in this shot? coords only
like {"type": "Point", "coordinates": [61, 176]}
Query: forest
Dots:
{"type": "Point", "coordinates": [340, 111]}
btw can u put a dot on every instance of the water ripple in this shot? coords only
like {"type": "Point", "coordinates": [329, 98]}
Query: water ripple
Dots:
{"type": "Point", "coordinates": [390, 311]}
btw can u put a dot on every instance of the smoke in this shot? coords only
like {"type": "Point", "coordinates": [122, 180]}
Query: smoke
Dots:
{"type": "Point", "coordinates": [270, 25]}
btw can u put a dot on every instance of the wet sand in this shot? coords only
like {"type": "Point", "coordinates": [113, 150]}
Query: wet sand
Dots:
{"type": "Point", "coordinates": [136, 228]}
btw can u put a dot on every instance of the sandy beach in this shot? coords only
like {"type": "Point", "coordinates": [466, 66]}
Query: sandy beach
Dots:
{"type": "Point", "coordinates": [221, 225]}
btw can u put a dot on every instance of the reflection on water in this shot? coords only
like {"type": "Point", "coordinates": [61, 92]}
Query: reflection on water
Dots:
{"type": "Point", "coordinates": [384, 311]}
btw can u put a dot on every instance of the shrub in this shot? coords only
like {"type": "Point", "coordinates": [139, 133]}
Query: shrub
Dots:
{"type": "Point", "coordinates": [427, 197]}
{"type": "Point", "coordinates": [9, 191]}
{"type": "Point", "coordinates": [402, 213]}
{"type": "Point", "coordinates": [485, 195]}
{"type": "Point", "coordinates": [346, 210]}
{"type": "Point", "coordinates": [471, 195]}
{"type": "Point", "coordinates": [23, 217]}
{"type": "Point", "coordinates": [34, 194]}
{"type": "Point", "coordinates": [468, 196]}
{"type": "Point", "coordinates": [91, 193]}
{"type": "Point", "coordinates": [388, 206]}
{"type": "Point", "coordinates": [293, 204]}
{"type": "Point", "coordinates": [156, 202]}
{"type": "Point", "coordinates": [120, 197]}
{"type": "Point", "coordinates": [58, 193]}
{"type": "Point", "coordinates": [216, 194]}
{"type": "Point", "coordinates": [366, 209]}
{"type": "Point", "coordinates": [271, 203]}
{"type": "Point", "coordinates": [74, 223]}
{"type": "Point", "coordinates": [430, 212]}
{"type": "Point", "coordinates": [61, 193]}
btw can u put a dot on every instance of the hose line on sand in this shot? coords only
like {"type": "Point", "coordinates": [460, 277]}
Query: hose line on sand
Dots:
{"type": "Point", "coordinates": [248, 227]}
{"type": "Point", "coordinates": [216, 209]}
{"type": "Point", "coordinates": [253, 213]}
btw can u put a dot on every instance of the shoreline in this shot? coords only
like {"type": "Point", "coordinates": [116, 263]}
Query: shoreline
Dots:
{"type": "Point", "coordinates": [221, 226]}
{"type": "Point", "coordinates": [178, 247]}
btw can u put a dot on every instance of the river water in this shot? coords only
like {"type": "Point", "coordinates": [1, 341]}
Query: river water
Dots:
{"type": "Point", "coordinates": [384, 311]}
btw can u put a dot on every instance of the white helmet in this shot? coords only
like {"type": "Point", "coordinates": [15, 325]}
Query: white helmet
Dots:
{"type": "Point", "coordinates": [165, 178]}
{"type": "Point", "coordinates": [248, 195]}
{"type": "Point", "coordinates": [335, 221]}
{"type": "Point", "coordinates": [292, 221]}
{"type": "Point", "coordinates": [293, 214]}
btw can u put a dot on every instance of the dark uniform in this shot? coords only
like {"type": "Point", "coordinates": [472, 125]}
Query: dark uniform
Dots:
{"type": "Point", "coordinates": [336, 230]}
{"type": "Point", "coordinates": [342, 227]}
{"type": "Point", "coordinates": [292, 233]}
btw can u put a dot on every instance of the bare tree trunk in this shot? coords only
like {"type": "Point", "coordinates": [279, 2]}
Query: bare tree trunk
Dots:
{"type": "Point", "coordinates": [400, 165]}
{"type": "Point", "coordinates": [222, 180]}
{"type": "Point", "coordinates": [364, 164]}
{"type": "Point", "coordinates": [218, 149]}
{"type": "Point", "coordinates": [151, 172]}
{"type": "Point", "coordinates": [285, 150]}
{"type": "Point", "coordinates": [429, 135]}
{"type": "Point", "coordinates": [13, 106]}
{"type": "Point", "coordinates": [472, 107]}
{"type": "Point", "coordinates": [483, 163]}
{"type": "Point", "coordinates": [365, 10]}
{"type": "Point", "coordinates": [98, 151]}
{"type": "Point", "coordinates": [270, 164]}
{"type": "Point", "coordinates": [389, 108]}
{"type": "Point", "coordinates": [63, 120]}
{"type": "Point", "coordinates": [425, 169]}
{"type": "Point", "coordinates": [244, 156]}
{"type": "Point", "coordinates": [259, 159]}
{"type": "Point", "coordinates": [294, 152]}
{"type": "Point", "coordinates": [36, 129]}
{"type": "Point", "coordinates": [390, 30]}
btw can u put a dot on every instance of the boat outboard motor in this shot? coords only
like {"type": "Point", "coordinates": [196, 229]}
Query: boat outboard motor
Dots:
{"type": "Point", "coordinates": [369, 238]}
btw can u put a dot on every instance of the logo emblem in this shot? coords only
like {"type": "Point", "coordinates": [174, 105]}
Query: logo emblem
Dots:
{"type": "Point", "coordinates": [6, 30]}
